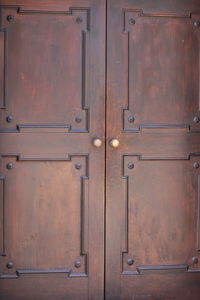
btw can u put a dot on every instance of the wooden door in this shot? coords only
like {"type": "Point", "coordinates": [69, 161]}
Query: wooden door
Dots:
{"type": "Point", "coordinates": [153, 177]}
{"type": "Point", "coordinates": [52, 170]}
{"type": "Point", "coordinates": [52, 74]}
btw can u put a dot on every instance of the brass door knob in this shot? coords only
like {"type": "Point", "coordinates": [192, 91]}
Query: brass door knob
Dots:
{"type": "Point", "coordinates": [114, 143]}
{"type": "Point", "coordinates": [97, 142]}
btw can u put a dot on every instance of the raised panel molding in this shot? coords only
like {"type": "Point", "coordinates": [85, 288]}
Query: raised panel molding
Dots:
{"type": "Point", "coordinates": [69, 127]}
{"type": "Point", "coordinates": [2, 199]}
{"type": "Point", "coordinates": [83, 244]}
{"type": "Point", "coordinates": [126, 30]}
{"type": "Point", "coordinates": [138, 270]}
{"type": "Point", "coordinates": [2, 68]}
{"type": "Point", "coordinates": [198, 216]}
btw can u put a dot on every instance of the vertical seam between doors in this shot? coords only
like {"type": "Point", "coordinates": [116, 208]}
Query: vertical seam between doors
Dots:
{"type": "Point", "coordinates": [105, 174]}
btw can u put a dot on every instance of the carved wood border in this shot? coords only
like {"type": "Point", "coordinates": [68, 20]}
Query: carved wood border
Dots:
{"type": "Point", "coordinates": [84, 33]}
{"type": "Point", "coordinates": [144, 268]}
{"type": "Point", "coordinates": [142, 14]}
{"type": "Point", "coordinates": [83, 252]}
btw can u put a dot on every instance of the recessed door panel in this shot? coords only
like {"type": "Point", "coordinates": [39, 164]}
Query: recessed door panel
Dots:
{"type": "Point", "coordinates": [162, 205]}
{"type": "Point", "coordinates": [162, 61]}
{"type": "Point", "coordinates": [45, 216]}
{"type": "Point", "coordinates": [47, 50]}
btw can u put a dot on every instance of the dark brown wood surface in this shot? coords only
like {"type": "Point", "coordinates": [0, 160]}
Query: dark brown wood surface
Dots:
{"type": "Point", "coordinates": [60, 196]}
{"type": "Point", "coordinates": [52, 71]}
{"type": "Point", "coordinates": [153, 205]}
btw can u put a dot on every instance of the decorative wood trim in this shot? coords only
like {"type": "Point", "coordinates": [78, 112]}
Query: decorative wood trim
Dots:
{"type": "Point", "coordinates": [141, 269]}
{"type": "Point", "coordinates": [20, 127]}
{"type": "Point", "coordinates": [69, 12]}
{"type": "Point", "coordinates": [198, 215]}
{"type": "Point", "coordinates": [84, 33]}
{"type": "Point", "coordinates": [3, 63]}
{"type": "Point", "coordinates": [20, 272]}
{"type": "Point", "coordinates": [2, 215]}
{"type": "Point", "coordinates": [140, 13]}
{"type": "Point", "coordinates": [198, 37]}
{"type": "Point", "coordinates": [141, 127]}
{"type": "Point", "coordinates": [83, 70]}
{"type": "Point", "coordinates": [83, 252]}
{"type": "Point", "coordinates": [140, 157]}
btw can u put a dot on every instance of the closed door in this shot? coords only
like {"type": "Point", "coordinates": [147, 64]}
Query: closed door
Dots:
{"type": "Point", "coordinates": [100, 152]}
{"type": "Point", "coordinates": [153, 177]}
{"type": "Point", "coordinates": [52, 177]}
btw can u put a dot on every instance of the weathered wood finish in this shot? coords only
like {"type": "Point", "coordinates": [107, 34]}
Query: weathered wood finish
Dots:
{"type": "Point", "coordinates": [152, 222]}
{"type": "Point", "coordinates": [52, 71]}
{"type": "Point", "coordinates": [54, 182]}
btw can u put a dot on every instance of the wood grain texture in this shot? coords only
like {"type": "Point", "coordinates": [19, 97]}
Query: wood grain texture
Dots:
{"type": "Point", "coordinates": [32, 217]}
{"type": "Point", "coordinates": [54, 60]}
{"type": "Point", "coordinates": [52, 68]}
{"type": "Point", "coordinates": [152, 185]}
{"type": "Point", "coordinates": [2, 215]}
{"type": "Point", "coordinates": [59, 195]}
{"type": "Point", "coordinates": [172, 223]}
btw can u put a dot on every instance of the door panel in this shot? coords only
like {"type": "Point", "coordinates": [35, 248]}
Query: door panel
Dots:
{"type": "Point", "coordinates": [39, 205]}
{"type": "Point", "coordinates": [52, 106]}
{"type": "Point", "coordinates": [152, 213]}
{"type": "Point", "coordinates": [162, 199]}
{"type": "Point", "coordinates": [171, 78]}
{"type": "Point", "coordinates": [53, 68]}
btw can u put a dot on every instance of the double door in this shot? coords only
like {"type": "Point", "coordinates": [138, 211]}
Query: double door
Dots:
{"type": "Point", "coordinates": [99, 150]}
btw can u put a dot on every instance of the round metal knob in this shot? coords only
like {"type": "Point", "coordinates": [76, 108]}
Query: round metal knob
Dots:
{"type": "Point", "coordinates": [97, 142]}
{"type": "Point", "coordinates": [114, 143]}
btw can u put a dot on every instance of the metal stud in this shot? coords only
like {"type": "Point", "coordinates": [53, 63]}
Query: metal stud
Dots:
{"type": "Point", "coordinates": [9, 166]}
{"type": "Point", "coordinates": [130, 165]}
{"type": "Point", "coordinates": [10, 265]}
{"type": "Point", "coordinates": [132, 21]}
{"type": "Point", "coordinates": [77, 264]}
{"type": "Point", "coordinates": [78, 119]}
{"type": "Point", "coordinates": [9, 118]}
{"type": "Point", "coordinates": [131, 119]}
{"type": "Point", "coordinates": [197, 23]}
{"type": "Point", "coordinates": [10, 18]}
{"type": "Point", "coordinates": [130, 261]}
{"type": "Point", "coordinates": [196, 119]}
{"type": "Point", "coordinates": [196, 165]}
{"type": "Point", "coordinates": [79, 20]}
{"type": "Point", "coordinates": [195, 260]}
{"type": "Point", "coordinates": [78, 166]}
